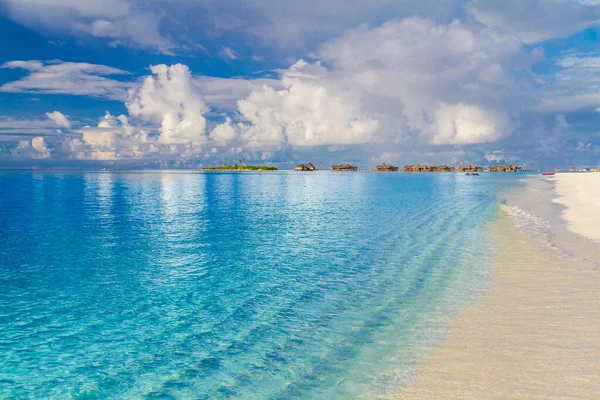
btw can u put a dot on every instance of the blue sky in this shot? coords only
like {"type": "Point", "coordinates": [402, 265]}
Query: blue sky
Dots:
{"type": "Point", "coordinates": [181, 84]}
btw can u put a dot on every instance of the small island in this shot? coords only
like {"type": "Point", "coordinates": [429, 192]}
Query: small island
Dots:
{"type": "Point", "coordinates": [242, 167]}
{"type": "Point", "coordinates": [305, 167]}
{"type": "Point", "coordinates": [386, 168]}
{"type": "Point", "coordinates": [343, 167]}
{"type": "Point", "coordinates": [504, 168]}
{"type": "Point", "coordinates": [470, 168]}
{"type": "Point", "coordinates": [428, 168]}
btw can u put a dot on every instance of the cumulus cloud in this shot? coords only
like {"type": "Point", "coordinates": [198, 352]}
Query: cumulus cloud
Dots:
{"type": "Point", "coordinates": [59, 119]}
{"type": "Point", "coordinates": [35, 149]}
{"type": "Point", "coordinates": [223, 93]}
{"type": "Point", "coordinates": [309, 110]}
{"type": "Point", "coordinates": [452, 83]}
{"type": "Point", "coordinates": [114, 138]}
{"type": "Point", "coordinates": [423, 84]}
{"type": "Point", "coordinates": [468, 124]}
{"type": "Point", "coordinates": [166, 120]}
{"type": "Point", "coordinates": [224, 133]}
{"type": "Point", "coordinates": [169, 96]}
{"type": "Point", "coordinates": [58, 77]}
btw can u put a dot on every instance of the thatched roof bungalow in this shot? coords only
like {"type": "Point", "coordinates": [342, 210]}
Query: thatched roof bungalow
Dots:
{"type": "Point", "coordinates": [418, 168]}
{"type": "Point", "coordinates": [504, 168]}
{"type": "Point", "coordinates": [305, 167]}
{"type": "Point", "coordinates": [386, 168]}
{"type": "Point", "coordinates": [444, 168]}
{"type": "Point", "coordinates": [428, 168]}
{"type": "Point", "coordinates": [470, 168]}
{"type": "Point", "coordinates": [343, 167]}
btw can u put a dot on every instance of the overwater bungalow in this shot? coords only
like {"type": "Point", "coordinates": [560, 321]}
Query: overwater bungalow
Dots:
{"type": "Point", "coordinates": [343, 167]}
{"type": "Point", "coordinates": [418, 168]}
{"type": "Point", "coordinates": [305, 167]}
{"type": "Point", "coordinates": [443, 168]}
{"type": "Point", "coordinates": [470, 168]}
{"type": "Point", "coordinates": [429, 168]}
{"type": "Point", "coordinates": [386, 168]}
{"type": "Point", "coordinates": [504, 168]}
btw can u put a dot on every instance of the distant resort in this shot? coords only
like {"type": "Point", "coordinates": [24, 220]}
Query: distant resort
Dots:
{"type": "Point", "coordinates": [472, 168]}
{"type": "Point", "coordinates": [468, 169]}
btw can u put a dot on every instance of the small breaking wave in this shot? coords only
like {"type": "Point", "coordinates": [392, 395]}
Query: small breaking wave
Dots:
{"type": "Point", "coordinates": [541, 229]}
{"type": "Point", "coordinates": [550, 235]}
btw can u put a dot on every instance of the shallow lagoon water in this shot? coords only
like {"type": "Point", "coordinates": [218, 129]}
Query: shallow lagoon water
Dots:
{"type": "Point", "coordinates": [234, 285]}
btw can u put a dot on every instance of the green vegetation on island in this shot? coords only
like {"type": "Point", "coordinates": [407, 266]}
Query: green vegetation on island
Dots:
{"type": "Point", "coordinates": [241, 167]}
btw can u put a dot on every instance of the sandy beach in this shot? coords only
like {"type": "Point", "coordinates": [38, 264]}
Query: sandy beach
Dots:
{"type": "Point", "coordinates": [580, 194]}
{"type": "Point", "coordinates": [535, 335]}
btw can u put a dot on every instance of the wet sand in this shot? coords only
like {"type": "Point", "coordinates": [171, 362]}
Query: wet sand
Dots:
{"type": "Point", "coordinates": [536, 335]}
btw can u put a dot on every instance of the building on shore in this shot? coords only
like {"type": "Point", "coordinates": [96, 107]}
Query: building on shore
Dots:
{"type": "Point", "coordinates": [504, 168]}
{"type": "Point", "coordinates": [386, 168]}
{"type": "Point", "coordinates": [470, 168]}
{"type": "Point", "coordinates": [429, 168]}
{"type": "Point", "coordinates": [343, 167]}
{"type": "Point", "coordinates": [305, 167]}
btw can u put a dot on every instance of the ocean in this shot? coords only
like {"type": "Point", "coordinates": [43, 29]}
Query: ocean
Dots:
{"type": "Point", "coordinates": [254, 285]}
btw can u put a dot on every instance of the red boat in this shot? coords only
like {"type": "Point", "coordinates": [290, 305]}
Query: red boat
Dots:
{"type": "Point", "coordinates": [549, 174]}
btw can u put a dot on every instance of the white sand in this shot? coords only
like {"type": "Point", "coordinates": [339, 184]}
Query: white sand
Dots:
{"type": "Point", "coordinates": [537, 333]}
{"type": "Point", "coordinates": [580, 193]}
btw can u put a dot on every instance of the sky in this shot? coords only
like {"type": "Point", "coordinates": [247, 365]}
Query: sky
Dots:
{"type": "Point", "coordinates": [185, 84]}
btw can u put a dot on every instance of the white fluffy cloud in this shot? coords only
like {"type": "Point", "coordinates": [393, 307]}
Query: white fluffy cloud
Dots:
{"type": "Point", "coordinates": [310, 110]}
{"type": "Point", "coordinates": [223, 93]}
{"type": "Point", "coordinates": [169, 96]}
{"type": "Point", "coordinates": [166, 119]}
{"type": "Point", "coordinates": [59, 118]}
{"type": "Point", "coordinates": [114, 138]}
{"type": "Point", "coordinates": [58, 77]}
{"type": "Point", "coordinates": [468, 124]}
{"type": "Point", "coordinates": [453, 83]}
{"type": "Point", "coordinates": [435, 75]}
{"type": "Point", "coordinates": [35, 149]}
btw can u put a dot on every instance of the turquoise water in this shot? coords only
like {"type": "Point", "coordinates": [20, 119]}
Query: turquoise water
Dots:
{"type": "Point", "coordinates": [233, 285]}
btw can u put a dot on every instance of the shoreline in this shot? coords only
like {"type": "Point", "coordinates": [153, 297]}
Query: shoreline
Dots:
{"type": "Point", "coordinates": [534, 335]}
